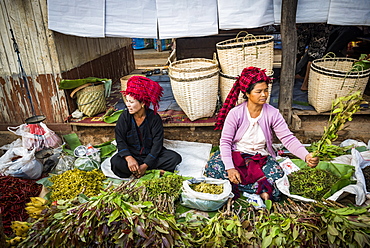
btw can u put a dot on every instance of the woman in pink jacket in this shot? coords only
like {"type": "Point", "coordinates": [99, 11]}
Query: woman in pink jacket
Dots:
{"type": "Point", "coordinates": [247, 134]}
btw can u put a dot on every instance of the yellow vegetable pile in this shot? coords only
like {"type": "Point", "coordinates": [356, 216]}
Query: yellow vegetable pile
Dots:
{"type": "Point", "coordinates": [207, 188]}
{"type": "Point", "coordinates": [71, 183]}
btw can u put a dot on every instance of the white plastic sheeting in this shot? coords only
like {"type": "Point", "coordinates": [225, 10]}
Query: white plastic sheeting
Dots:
{"type": "Point", "coordinates": [166, 19]}
{"type": "Point", "coordinates": [84, 18]}
{"type": "Point", "coordinates": [245, 13]}
{"type": "Point", "coordinates": [308, 11]}
{"type": "Point", "coordinates": [131, 18]}
{"type": "Point", "coordinates": [349, 12]}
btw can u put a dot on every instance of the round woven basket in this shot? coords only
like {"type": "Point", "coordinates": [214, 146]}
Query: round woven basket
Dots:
{"type": "Point", "coordinates": [227, 82]}
{"type": "Point", "coordinates": [331, 78]}
{"type": "Point", "coordinates": [194, 85]}
{"type": "Point", "coordinates": [236, 54]}
{"type": "Point", "coordinates": [91, 100]}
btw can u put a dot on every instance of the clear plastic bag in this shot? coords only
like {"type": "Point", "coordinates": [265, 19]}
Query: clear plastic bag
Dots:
{"type": "Point", "coordinates": [86, 164]}
{"type": "Point", "coordinates": [36, 136]}
{"type": "Point", "coordinates": [65, 163]}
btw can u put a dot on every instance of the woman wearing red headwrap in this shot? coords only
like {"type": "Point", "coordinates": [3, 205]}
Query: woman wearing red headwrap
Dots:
{"type": "Point", "coordinates": [139, 132]}
{"type": "Point", "coordinates": [246, 140]}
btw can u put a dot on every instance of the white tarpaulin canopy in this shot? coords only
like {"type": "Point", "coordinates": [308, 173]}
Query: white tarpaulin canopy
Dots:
{"type": "Point", "coordinates": [191, 18]}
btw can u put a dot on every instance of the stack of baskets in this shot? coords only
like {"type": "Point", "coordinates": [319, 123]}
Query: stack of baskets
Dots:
{"type": "Point", "coordinates": [194, 85]}
{"type": "Point", "coordinates": [331, 78]}
{"type": "Point", "coordinates": [236, 54]}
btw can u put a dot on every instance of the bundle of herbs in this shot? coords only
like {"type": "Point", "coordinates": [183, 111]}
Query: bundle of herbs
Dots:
{"type": "Point", "coordinates": [114, 218]}
{"type": "Point", "coordinates": [298, 224]}
{"type": "Point", "coordinates": [342, 110]}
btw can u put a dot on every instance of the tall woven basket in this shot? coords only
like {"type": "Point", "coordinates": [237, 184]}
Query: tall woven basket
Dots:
{"type": "Point", "coordinates": [227, 82]}
{"type": "Point", "coordinates": [194, 85]}
{"type": "Point", "coordinates": [91, 99]}
{"type": "Point", "coordinates": [236, 54]}
{"type": "Point", "coordinates": [331, 78]}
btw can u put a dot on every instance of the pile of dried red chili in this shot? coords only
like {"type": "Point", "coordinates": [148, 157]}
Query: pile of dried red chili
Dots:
{"type": "Point", "coordinates": [14, 194]}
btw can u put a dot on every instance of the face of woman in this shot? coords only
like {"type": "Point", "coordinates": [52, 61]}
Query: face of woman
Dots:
{"type": "Point", "coordinates": [133, 105]}
{"type": "Point", "coordinates": [259, 94]}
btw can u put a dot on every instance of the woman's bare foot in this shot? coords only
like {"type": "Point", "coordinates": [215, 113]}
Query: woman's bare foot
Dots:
{"type": "Point", "coordinates": [265, 196]}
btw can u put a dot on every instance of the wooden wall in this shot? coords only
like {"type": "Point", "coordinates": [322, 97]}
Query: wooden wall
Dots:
{"type": "Point", "coordinates": [47, 57]}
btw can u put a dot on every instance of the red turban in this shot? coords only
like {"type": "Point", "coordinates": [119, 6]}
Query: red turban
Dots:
{"type": "Point", "coordinates": [250, 75]}
{"type": "Point", "coordinates": [145, 90]}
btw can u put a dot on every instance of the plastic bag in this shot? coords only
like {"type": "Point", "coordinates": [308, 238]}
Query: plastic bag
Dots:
{"type": "Point", "coordinates": [65, 163]}
{"type": "Point", "coordinates": [344, 171]}
{"type": "Point", "coordinates": [36, 136]}
{"type": "Point", "coordinates": [15, 143]}
{"type": "Point", "coordinates": [205, 201]}
{"type": "Point", "coordinates": [19, 162]}
{"type": "Point", "coordinates": [86, 164]}
{"type": "Point", "coordinates": [255, 199]}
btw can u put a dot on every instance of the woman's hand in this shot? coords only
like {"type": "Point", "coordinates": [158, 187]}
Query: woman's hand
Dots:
{"type": "Point", "coordinates": [132, 165]}
{"type": "Point", "coordinates": [142, 170]}
{"type": "Point", "coordinates": [312, 161]}
{"type": "Point", "coordinates": [234, 176]}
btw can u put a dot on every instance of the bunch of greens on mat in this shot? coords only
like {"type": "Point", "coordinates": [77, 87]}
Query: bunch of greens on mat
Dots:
{"type": "Point", "coordinates": [320, 182]}
{"type": "Point", "coordinates": [342, 110]}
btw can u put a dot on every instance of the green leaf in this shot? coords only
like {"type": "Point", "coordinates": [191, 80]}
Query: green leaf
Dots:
{"type": "Point", "coordinates": [114, 215]}
{"type": "Point", "coordinates": [332, 230]}
{"type": "Point", "coordinates": [361, 239]}
{"type": "Point", "coordinates": [268, 204]}
{"type": "Point", "coordinates": [161, 230]}
{"type": "Point", "coordinates": [295, 232]}
{"type": "Point", "coordinates": [266, 242]}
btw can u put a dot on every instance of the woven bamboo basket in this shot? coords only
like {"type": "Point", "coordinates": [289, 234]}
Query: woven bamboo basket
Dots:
{"type": "Point", "coordinates": [236, 54]}
{"type": "Point", "coordinates": [331, 78]}
{"type": "Point", "coordinates": [91, 100]}
{"type": "Point", "coordinates": [194, 85]}
{"type": "Point", "coordinates": [124, 80]}
{"type": "Point", "coordinates": [227, 82]}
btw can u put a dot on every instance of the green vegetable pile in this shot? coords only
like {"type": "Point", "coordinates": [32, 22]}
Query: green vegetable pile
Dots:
{"type": "Point", "coordinates": [311, 183]}
{"type": "Point", "coordinates": [207, 188]}
{"type": "Point", "coordinates": [74, 182]}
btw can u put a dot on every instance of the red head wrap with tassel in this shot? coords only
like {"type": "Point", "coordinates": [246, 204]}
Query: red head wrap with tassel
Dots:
{"type": "Point", "coordinates": [145, 90]}
{"type": "Point", "coordinates": [249, 75]}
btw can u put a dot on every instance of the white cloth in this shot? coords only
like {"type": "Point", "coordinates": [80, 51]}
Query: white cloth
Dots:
{"type": "Point", "coordinates": [186, 18]}
{"type": "Point", "coordinates": [349, 12]}
{"type": "Point", "coordinates": [194, 158]}
{"type": "Point", "coordinates": [84, 18]}
{"type": "Point", "coordinates": [253, 140]}
{"type": "Point", "coordinates": [308, 11]}
{"type": "Point", "coordinates": [245, 13]}
{"type": "Point", "coordinates": [131, 18]}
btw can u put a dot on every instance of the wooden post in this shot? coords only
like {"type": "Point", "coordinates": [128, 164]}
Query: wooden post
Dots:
{"type": "Point", "coordinates": [288, 63]}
